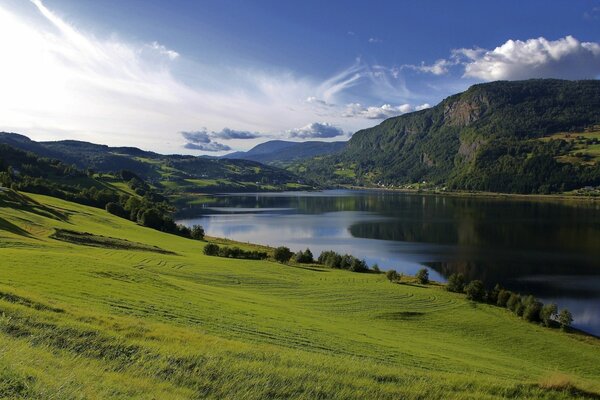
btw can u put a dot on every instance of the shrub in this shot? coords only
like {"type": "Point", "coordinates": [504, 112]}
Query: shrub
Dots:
{"type": "Point", "coordinates": [565, 319]}
{"type": "Point", "coordinates": [211, 249]}
{"type": "Point", "coordinates": [304, 257]}
{"type": "Point", "coordinates": [503, 296]}
{"type": "Point", "coordinates": [392, 275]}
{"type": "Point", "coordinates": [423, 276]}
{"type": "Point", "coordinates": [548, 313]}
{"type": "Point", "coordinates": [475, 290]}
{"type": "Point", "coordinates": [375, 268]}
{"type": "Point", "coordinates": [358, 265]}
{"type": "Point", "coordinates": [532, 311]}
{"type": "Point", "coordinates": [197, 232]}
{"type": "Point", "coordinates": [513, 301]}
{"type": "Point", "coordinates": [493, 294]}
{"type": "Point", "coordinates": [330, 258]}
{"type": "Point", "coordinates": [282, 254]}
{"type": "Point", "coordinates": [456, 283]}
{"type": "Point", "coordinates": [116, 209]}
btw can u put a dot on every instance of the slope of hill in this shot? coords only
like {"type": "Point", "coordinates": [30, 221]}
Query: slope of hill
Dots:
{"type": "Point", "coordinates": [162, 320]}
{"type": "Point", "coordinates": [490, 137]}
{"type": "Point", "coordinates": [282, 153]}
{"type": "Point", "coordinates": [176, 173]}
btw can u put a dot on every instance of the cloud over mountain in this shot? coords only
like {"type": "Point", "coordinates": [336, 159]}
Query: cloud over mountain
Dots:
{"type": "Point", "coordinates": [316, 130]}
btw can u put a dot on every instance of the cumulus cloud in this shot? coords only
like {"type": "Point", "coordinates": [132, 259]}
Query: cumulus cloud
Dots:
{"type": "Point", "coordinates": [385, 111]}
{"type": "Point", "coordinates": [202, 140]}
{"type": "Point", "coordinates": [566, 58]}
{"type": "Point", "coordinates": [316, 130]}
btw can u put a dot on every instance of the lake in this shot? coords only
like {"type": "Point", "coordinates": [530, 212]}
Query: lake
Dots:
{"type": "Point", "coordinates": [548, 248]}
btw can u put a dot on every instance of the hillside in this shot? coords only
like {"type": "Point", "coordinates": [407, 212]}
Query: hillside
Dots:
{"type": "Point", "coordinates": [499, 136]}
{"type": "Point", "coordinates": [161, 320]}
{"type": "Point", "coordinates": [173, 174]}
{"type": "Point", "coordinates": [282, 153]}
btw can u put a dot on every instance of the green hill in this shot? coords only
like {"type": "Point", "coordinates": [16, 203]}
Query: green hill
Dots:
{"type": "Point", "coordinates": [170, 174]}
{"type": "Point", "coordinates": [282, 153]}
{"type": "Point", "coordinates": [499, 136]}
{"type": "Point", "coordinates": [95, 306]}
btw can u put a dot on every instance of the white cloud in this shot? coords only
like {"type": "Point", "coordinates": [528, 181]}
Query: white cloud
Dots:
{"type": "Point", "coordinates": [385, 111]}
{"type": "Point", "coordinates": [375, 40]}
{"type": "Point", "coordinates": [440, 67]}
{"type": "Point", "coordinates": [61, 82]}
{"type": "Point", "coordinates": [316, 130]}
{"type": "Point", "coordinates": [566, 58]}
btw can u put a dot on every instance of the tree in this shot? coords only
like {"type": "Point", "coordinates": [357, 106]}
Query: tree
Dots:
{"type": "Point", "coordinates": [151, 218]}
{"type": "Point", "coordinates": [423, 276]}
{"type": "Point", "coordinates": [475, 290]}
{"type": "Point", "coordinates": [513, 302]}
{"type": "Point", "coordinates": [197, 232]}
{"type": "Point", "coordinates": [211, 249]}
{"type": "Point", "coordinates": [503, 297]}
{"type": "Point", "coordinates": [392, 275]}
{"type": "Point", "coordinates": [492, 296]}
{"type": "Point", "coordinates": [548, 313]}
{"type": "Point", "coordinates": [375, 268]}
{"type": "Point", "coordinates": [565, 319]}
{"type": "Point", "coordinates": [456, 283]}
{"type": "Point", "coordinates": [282, 254]}
{"type": "Point", "coordinates": [116, 209]}
{"type": "Point", "coordinates": [532, 311]}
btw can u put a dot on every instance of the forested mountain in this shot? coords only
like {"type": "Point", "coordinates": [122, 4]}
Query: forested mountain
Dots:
{"type": "Point", "coordinates": [179, 173]}
{"type": "Point", "coordinates": [281, 152]}
{"type": "Point", "coordinates": [535, 136]}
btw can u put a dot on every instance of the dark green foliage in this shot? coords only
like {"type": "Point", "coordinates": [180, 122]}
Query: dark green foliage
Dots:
{"type": "Point", "coordinates": [392, 275]}
{"type": "Point", "coordinates": [532, 310]}
{"type": "Point", "coordinates": [456, 283]}
{"type": "Point", "coordinates": [197, 232]}
{"type": "Point", "coordinates": [548, 313]}
{"type": "Point", "coordinates": [475, 291]}
{"type": "Point", "coordinates": [282, 254]}
{"type": "Point", "coordinates": [482, 139]}
{"type": "Point", "coordinates": [514, 301]}
{"type": "Point", "coordinates": [151, 217]}
{"type": "Point", "coordinates": [423, 276]}
{"type": "Point", "coordinates": [565, 319]}
{"type": "Point", "coordinates": [211, 249]}
{"type": "Point", "coordinates": [334, 260]}
{"type": "Point", "coordinates": [304, 257]}
{"type": "Point", "coordinates": [375, 268]}
{"type": "Point", "coordinates": [236, 252]}
{"type": "Point", "coordinates": [503, 297]}
{"type": "Point", "coordinates": [116, 209]}
{"type": "Point", "coordinates": [492, 296]}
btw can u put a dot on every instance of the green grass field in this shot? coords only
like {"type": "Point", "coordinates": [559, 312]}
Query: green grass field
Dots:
{"type": "Point", "coordinates": [103, 321]}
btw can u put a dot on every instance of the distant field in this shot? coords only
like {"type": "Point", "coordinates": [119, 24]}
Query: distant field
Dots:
{"type": "Point", "coordinates": [95, 321]}
{"type": "Point", "coordinates": [586, 146]}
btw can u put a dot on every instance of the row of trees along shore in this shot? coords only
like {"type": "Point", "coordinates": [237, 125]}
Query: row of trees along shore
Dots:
{"type": "Point", "coordinates": [527, 307]}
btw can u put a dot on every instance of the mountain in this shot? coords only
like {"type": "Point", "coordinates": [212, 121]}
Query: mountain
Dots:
{"type": "Point", "coordinates": [176, 173]}
{"type": "Point", "coordinates": [281, 152]}
{"type": "Point", "coordinates": [535, 136]}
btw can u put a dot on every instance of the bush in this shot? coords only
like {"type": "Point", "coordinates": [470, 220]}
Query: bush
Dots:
{"type": "Point", "coordinates": [282, 254]}
{"type": "Point", "coordinates": [423, 276]}
{"type": "Point", "coordinates": [548, 313]}
{"type": "Point", "coordinates": [392, 275]}
{"type": "Point", "coordinates": [475, 290]}
{"type": "Point", "coordinates": [197, 232]}
{"type": "Point", "coordinates": [375, 268]}
{"type": "Point", "coordinates": [565, 319]}
{"type": "Point", "coordinates": [493, 294]}
{"type": "Point", "coordinates": [304, 257]}
{"type": "Point", "coordinates": [211, 249]}
{"type": "Point", "coordinates": [532, 311]}
{"type": "Point", "coordinates": [456, 283]}
{"type": "Point", "coordinates": [503, 297]}
{"type": "Point", "coordinates": [116, 209]}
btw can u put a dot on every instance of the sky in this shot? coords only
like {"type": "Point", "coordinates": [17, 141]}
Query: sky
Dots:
{"type": "Point", "coordinates": [215, 76]}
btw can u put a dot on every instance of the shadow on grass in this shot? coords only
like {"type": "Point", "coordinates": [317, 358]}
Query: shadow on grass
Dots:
{"type": "Point", "coordinates": [18, 201]}
{"type": "Point", "coordinates": [12, 228]}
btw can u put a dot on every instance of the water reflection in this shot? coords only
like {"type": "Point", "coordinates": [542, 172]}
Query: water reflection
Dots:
{"type": "Point", "coordinates": [548, 248]}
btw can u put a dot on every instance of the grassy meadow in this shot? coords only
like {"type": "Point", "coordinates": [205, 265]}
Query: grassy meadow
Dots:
{"type": "Point", "coordinates": [96, 307]}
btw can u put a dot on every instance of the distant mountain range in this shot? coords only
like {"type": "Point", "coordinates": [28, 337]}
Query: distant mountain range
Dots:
{"type": "Point", "coordinates": [535, 136]}
{"type": "Point", "coordinates": [282, 152]}
{"type": "Point", "coordinates": [180, 172]}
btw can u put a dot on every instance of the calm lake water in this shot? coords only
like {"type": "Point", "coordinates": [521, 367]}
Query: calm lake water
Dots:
{"type": "Point", "coordinates": [547, 248]}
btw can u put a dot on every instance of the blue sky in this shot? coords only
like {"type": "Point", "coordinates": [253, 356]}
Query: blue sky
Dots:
{"type": "Point", "coordinates": [207, 77]}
